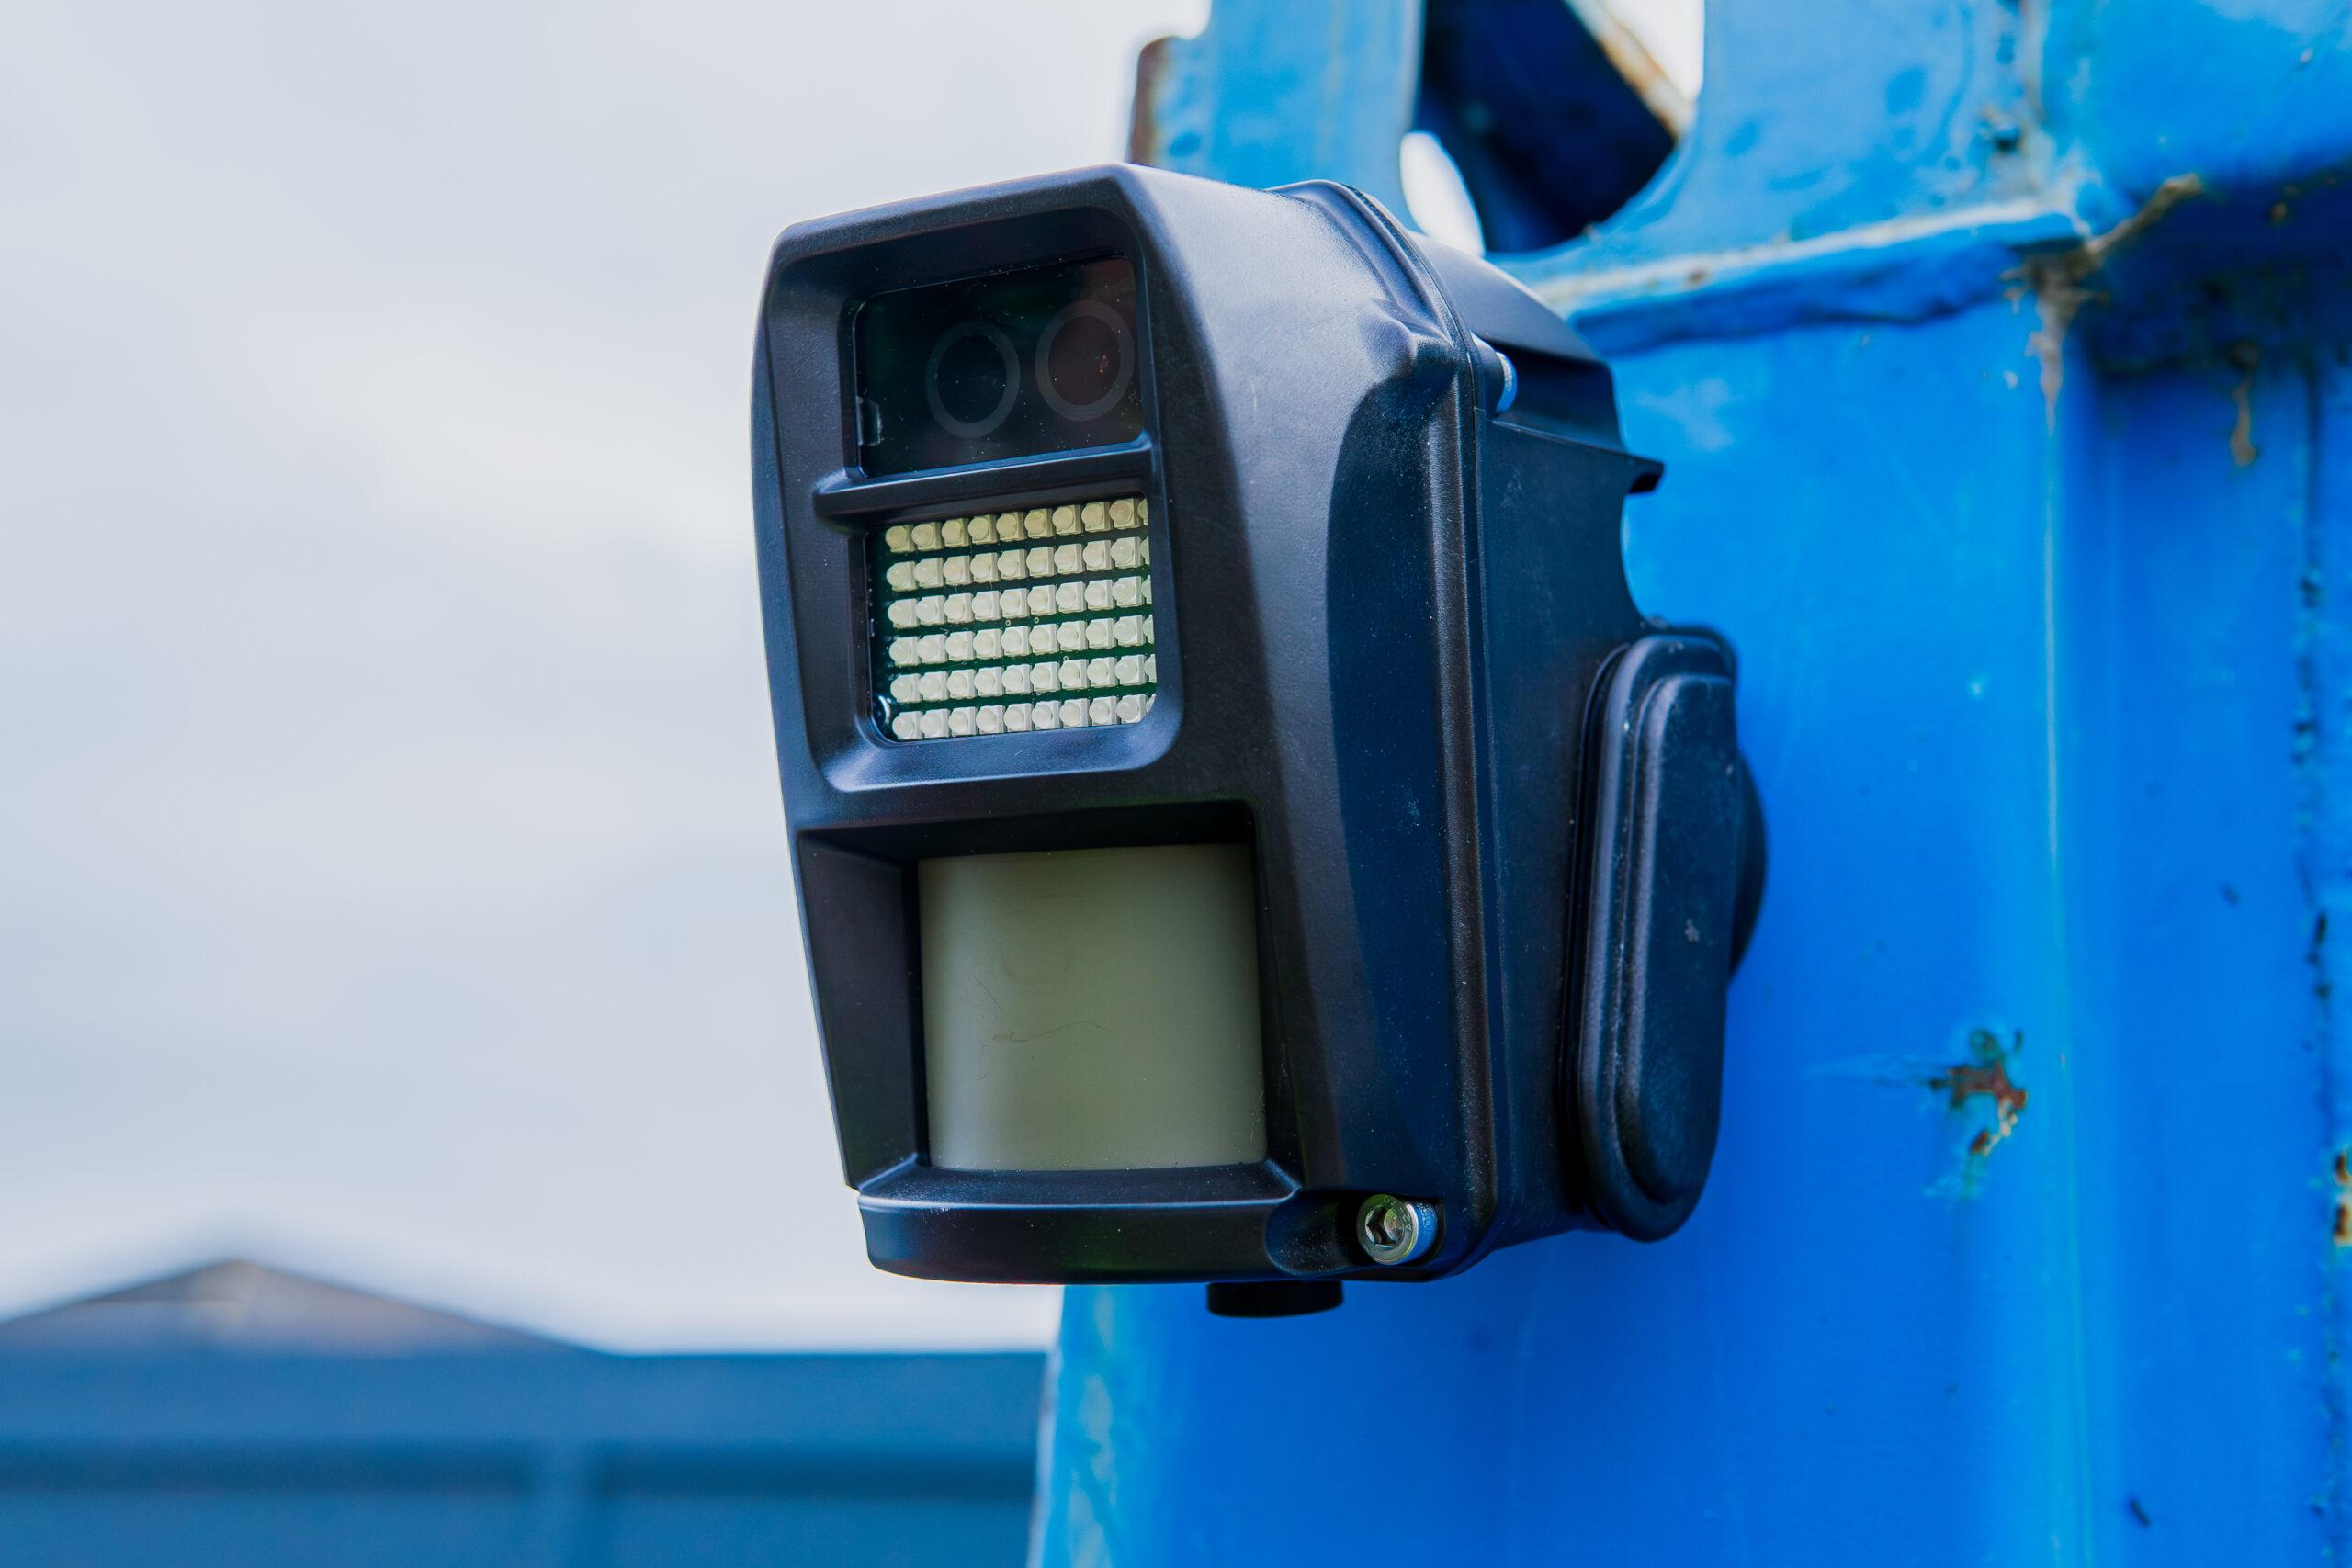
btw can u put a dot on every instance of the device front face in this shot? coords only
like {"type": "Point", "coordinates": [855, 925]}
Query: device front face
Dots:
{"type": "Point", "coordinates": [1036, 939]}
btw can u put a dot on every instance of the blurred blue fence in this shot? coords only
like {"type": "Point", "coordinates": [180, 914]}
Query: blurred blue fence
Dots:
{"type": "Point", "coordinates": [498, 1458]}
{"type": "Point", "coordinates": [142, 1441]}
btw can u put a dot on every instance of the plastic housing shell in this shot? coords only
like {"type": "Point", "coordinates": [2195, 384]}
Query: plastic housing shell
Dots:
{"type": "Point", "coordinates": [1382, 612]}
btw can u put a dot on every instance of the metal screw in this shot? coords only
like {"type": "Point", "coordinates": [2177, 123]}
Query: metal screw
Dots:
{"type": "Point", "coordinates": [1393, 1231]}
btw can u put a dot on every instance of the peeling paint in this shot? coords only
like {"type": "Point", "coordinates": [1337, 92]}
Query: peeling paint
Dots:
{"type": "Point", "coordinates": [1986, 1073]}
{"type": "Point", "coordinates": [1854, 266]}
{"type": "Point", "coordinates": [1154, 59]}
{"type": "Point", "coordinates": [2243, 451]}
{"type": "Point", "coordinates": [1633, 61]}
{"type": "Point", "coordinates": [2341, 1232]}
{"type": "Point", "coordinates": [2057, 279]}
{"type": "Point", "coordinates": [2247, 358]}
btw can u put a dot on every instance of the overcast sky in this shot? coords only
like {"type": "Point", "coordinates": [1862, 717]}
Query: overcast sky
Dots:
{"type": "Point", "coordinates": [393, 879]}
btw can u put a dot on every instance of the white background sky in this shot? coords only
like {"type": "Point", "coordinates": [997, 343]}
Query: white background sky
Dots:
{"type": "Point", "coordinates": [392, 880]}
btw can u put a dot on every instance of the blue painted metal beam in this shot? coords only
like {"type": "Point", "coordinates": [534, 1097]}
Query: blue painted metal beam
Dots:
{"type": "Point", "coordinates": [1278, 93]}
{"type": "Point", "coordinates": [1995, 358]}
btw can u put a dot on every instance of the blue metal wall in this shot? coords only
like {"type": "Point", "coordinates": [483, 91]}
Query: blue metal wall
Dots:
{"type": "Point", "coordinates": [525, 1460]}
{"type": "Point", "coordinates": [1997, 356]}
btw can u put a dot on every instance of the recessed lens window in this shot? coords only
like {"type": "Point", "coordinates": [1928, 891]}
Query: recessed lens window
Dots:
{"type": "Point", "coordinates": [1044, 359]}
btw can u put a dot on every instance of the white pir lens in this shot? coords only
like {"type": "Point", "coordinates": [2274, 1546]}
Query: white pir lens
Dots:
{"type": "Point", "coordinates": [1092, 1010]}
{"type": "Point", "coordinates": [1087, 602]}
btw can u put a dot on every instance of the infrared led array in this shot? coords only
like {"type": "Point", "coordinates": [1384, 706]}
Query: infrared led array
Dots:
{"type": "Point", "coordinates": [1007, 622]}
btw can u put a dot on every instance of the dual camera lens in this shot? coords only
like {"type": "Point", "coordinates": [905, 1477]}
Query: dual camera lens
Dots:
{"type": "Point", "coordinates": [1083, 364]}
{"type": "Point", "coordinates": [1002, 366]}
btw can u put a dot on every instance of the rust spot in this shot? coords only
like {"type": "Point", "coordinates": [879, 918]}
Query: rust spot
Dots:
{"type": "Point", "coordinates": [2315, 955]}
{"type": "Point", "coordinates": [1643, 74]}
{"type": "Point", "coordinates": [2247, 358]}
{"type": "Point", "coordinates": [2343, 1169]}
{"type": "Point", "coordinates": [2058, 281]}
{"type": "Point", "coordinates": [2243, 451]}
{"type": "Point", "coordinates": [2343, 1232]}
{"type": "Point", "coordinates": [1153, 62]}
{"type": "Point", "coordinates": [1988, 1074]}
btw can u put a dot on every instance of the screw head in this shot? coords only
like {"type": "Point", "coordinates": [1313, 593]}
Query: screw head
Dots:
{"type": "Point", "coordinates": [1394, 1231]}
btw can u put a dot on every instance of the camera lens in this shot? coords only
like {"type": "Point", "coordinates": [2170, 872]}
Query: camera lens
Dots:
{"type": "Point", "coordinates": [1085, 360]}
{"type": "Point", "coordinates": [972, 379]}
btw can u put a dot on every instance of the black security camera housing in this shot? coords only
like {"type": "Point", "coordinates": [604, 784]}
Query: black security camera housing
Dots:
{"type": "Point", "coordinates": [1505, 851]}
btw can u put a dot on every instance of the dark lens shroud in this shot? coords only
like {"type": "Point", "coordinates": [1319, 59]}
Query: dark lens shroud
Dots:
{"type": "Point", "coordinates": [1045, 359]}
